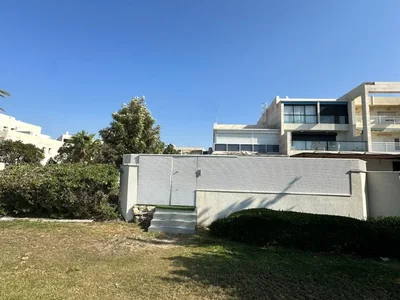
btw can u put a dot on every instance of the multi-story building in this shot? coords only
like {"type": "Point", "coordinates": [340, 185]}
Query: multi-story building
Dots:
{"type": "Point", "coordinates": [364, 123]}
{"type": "Point", "coordinates": [12, 129]}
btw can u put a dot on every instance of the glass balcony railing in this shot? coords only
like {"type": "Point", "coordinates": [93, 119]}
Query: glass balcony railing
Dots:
{"type": "Point", "coordinates": [385, 120]}
{"type": "Point", "coordinates": [329, 146]}
{"type": "Point", "coordinates": [313, 119]}
{"type": "Point", "coordinates": [386, 147]}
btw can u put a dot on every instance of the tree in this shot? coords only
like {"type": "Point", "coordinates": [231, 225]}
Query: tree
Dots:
{"type": "Point", "coordinates": [16, 152]}
{"type": "Point", "coordinates": [132, 130]}
{"type": "Point", "coordinates": [3, 94]}
{"type": "Point", "coordinates": [170, 149]}
{"type": "Point", "coordinates": [81, 148]}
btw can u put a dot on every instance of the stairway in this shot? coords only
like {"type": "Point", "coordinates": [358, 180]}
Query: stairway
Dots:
{"type": "Point", "coordinates": [173, 221]}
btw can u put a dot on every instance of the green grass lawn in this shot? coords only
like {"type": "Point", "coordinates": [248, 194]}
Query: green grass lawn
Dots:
{"type": "Point", "coordinates": [119, 261]}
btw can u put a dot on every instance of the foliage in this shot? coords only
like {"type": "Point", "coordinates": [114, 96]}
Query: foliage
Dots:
{"type": "Point", "coordinates": [60, 191]}
{"type": "Point", "coordinates": [132, 130]}
{"type": "Point", "coordinates": [16, 152]}
{"type": "Point", "coordinates": [81, 148]}
{"type": "Point", "coordinates": [3, 94]}
{"type": "Point", "coordinates": [320, 233]}
{"type": "Point", "coordinates": [170, 149]}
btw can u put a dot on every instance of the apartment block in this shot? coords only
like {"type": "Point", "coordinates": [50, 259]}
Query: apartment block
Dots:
{"type": "Point", "coordinates": [15, 130]}
{"type": "Point", "coordinates": [364, 123]}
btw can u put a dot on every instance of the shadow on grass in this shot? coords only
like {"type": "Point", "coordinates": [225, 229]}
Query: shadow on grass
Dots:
{"type": "Point", "coordinates": [246, 272]}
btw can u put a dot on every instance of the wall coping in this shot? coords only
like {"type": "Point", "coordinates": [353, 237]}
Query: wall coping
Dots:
{"type": "Point", "coordinates": [269, 192]}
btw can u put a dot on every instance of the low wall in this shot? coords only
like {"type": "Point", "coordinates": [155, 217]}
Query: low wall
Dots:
{"type": "Point", "coordinates": [383, 193]}
{"type": "Point", "coordinates": [220, 185]}
{"type": "Point", "coordinates": [212, 205]}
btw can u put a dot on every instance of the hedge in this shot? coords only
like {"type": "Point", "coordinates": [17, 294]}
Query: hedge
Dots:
{"type": "Point", "coordinates": [311, 232]}
{"type": "Point", "coordinates": [60, 191]}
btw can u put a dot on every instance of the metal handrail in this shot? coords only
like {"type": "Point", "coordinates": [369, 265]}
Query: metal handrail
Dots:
{"type": "Point", "coordinates": [386, 146]}
{"type": "Point", "coordinates": [381, 119]}
{"type": "Point", "coordinates": [385, 119]}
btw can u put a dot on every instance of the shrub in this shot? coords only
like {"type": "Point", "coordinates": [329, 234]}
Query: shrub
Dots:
{"type": "Point", "coordinates": [311, 232]}
{"type": "Point", "coordinates": [60, 191]}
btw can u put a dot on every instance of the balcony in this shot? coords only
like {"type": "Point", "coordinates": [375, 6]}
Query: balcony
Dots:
{"type": "Point", "coordinates": [387, 120]}
{"type": "Point", "coordinates": [380, 123]}
{"type": "Point", "coordinates": [329, 146]}
{"type": "Point", "coordinates": [386, 147]}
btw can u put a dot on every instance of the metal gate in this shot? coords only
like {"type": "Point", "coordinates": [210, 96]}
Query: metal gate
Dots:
{"type": "Point", "coordinates": [183, 185]}
{"type": "Point", "coordinates": [167, 180]}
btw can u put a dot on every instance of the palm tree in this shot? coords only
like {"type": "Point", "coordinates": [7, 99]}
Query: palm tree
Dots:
{"type": "Point", "coordinates": [81, 148]}
{"type": "Point", "coordinates": [3, 94]}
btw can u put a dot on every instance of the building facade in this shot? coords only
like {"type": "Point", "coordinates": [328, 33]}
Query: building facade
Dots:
{"type": "Point", "coordinates": [364, 123]}
{"type": "Point", "coordinates": [15, 130]}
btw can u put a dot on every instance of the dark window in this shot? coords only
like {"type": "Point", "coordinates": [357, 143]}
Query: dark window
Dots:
{"type": "Point", "coordinates": [220, 147]}
{"type": "Point", "coordinates": [299, 136]}
{"type": "Point", "coordinates": [260, 148]}
{"type": "Point", "coordinates": [272, 148]}
{"type": "Point", "coordinates": [246, 147]}
{"type": "Point", "coordinates": [300, 114]}
{"type": "Point", "coordinates": [397, 144]}
{"type": "Point", "coordinates": [334, 114]}
{"type": "Point", "coordinates": [396, 166]}
{"type": "Point", "coordinates": [233, 147]}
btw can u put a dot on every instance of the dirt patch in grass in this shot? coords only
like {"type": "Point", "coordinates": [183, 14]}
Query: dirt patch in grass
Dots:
{"type": "Point", "coordinates": [118, 261]}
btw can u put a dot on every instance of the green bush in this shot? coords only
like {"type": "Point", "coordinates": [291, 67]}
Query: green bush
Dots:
{"type": "Point", "coordinates": [60, 191]}
{"type": "Point", "coordinates": [311, 232]}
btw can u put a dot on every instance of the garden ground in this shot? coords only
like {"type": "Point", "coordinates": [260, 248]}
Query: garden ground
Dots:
{"type": "Point", "coordinates": [118, 261]}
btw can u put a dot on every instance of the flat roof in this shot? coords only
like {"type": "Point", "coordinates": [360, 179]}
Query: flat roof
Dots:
{"type": "Point", "coordinates": [242, 127]}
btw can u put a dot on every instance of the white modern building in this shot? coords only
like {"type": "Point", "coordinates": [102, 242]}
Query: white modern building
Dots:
{"type": "Point", "coordinates": [364, 123]}
{"type": "Point", "coordinates": [15, 130]}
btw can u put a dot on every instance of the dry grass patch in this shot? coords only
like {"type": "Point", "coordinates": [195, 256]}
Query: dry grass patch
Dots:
{"type": "Point", "coordinates": [119, 261]}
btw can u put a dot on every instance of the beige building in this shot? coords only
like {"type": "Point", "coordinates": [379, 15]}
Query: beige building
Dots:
{"type": "Point", "coordinates": [364, 123]}
{"type": "Point", "coordinates": [190, 150]}
{"type": "Point", "coordinates": [15, 130]}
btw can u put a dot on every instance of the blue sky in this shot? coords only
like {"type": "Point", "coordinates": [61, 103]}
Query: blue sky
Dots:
{"type": "Point", "coordinates": [70, 64]}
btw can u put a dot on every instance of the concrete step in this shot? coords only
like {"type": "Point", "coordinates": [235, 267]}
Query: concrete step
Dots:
{"type": "Point", "coordinates": [173, 223]}
{"type": "Point", "coordinates": [177, 211]}
{"type": "Point", "coordinates": [173, 229]}
{"type": "Point", "coordinates": [175, 215]}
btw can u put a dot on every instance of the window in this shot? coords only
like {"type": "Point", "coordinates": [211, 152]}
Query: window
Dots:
{"type": "Point", "coordinates": [220, 147]}
{"type": "Point", "coordinates": [333, 114]}
{"type": "Point", "coordinates": [272, 148]}
{"type": "Point", "coordinates": [396, 166]}
{"type": "Point", "coordinates": [233, 147]}
{"type": "Point", "coordinates": [246, 147]}
{"type": "Point", "coordinates": [300, 114]}
{"type": "Point", "coordinates": [260, 148]}
{"type": "Point", "coordinates": [397, 144]}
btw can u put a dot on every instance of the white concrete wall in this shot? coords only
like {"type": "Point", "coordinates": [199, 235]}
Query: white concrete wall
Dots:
{"type": "Point", "coordinates": [316, 127]}
{"type": "Point", "coordinates": [383, 193]}
{"type": "Point", "coordinates": [277, 174]}
{"type": "Point", "coordinates": [223, 183]}
{"type": "Point", "coordinates": [212, 205]}
{"type": "Point", "coordinates": [11, 123]}
{"type": "Point", "coordinates": [128, 190]}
